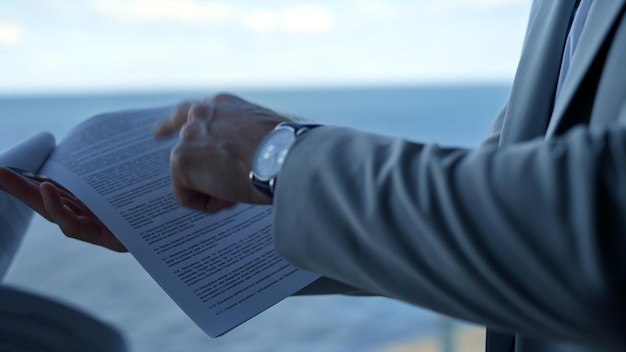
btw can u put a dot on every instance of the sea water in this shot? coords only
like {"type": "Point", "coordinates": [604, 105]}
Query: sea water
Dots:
{"type": "Point", "coordinates": [115, 289]}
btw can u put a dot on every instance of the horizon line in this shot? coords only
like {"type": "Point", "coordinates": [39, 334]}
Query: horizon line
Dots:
{"type": "Point", "coordinates": [255, 88]}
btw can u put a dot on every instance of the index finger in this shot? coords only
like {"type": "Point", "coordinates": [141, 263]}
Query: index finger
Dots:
{"type": "Point", "coordinates": [174, 121]}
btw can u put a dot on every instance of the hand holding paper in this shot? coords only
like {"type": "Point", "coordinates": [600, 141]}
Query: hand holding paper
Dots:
{"type": "Point", "coordinates": [58, 205]}
{"type": "Point", "coordinates": [221, 269]}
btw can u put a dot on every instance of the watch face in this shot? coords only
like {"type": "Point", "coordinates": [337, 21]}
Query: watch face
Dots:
{"type": "Point", "coordinates": [271, 153]}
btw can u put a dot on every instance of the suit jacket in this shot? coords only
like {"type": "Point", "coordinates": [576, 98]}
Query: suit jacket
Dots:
{"type": "Point", "coordinates": [525, 234]}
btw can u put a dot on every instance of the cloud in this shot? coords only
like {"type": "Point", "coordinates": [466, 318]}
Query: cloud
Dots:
{"type": "Point", "coordinates": [101, 42]}
{"type": "Point", "coordinates": [307, 19]}
{"type": "Point", "coordinates": [262, 21]}
{"type": "Point", "coordinates": [10, 34]}
{"type": "Point", "coordinates": [279, 16]}
{"type": "Point", "coordinates": [495, 3]}
{"type": "Point", "coordinates": [293, 19]}
{"type": "Point", "coordinates": [181, 11]}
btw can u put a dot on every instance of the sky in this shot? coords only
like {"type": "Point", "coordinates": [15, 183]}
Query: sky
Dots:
{"type": "Point", "coordinates": [87, 45]}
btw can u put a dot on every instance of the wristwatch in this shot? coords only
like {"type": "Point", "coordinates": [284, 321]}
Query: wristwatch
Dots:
{"type": "Point", "coordinates": [271, 152]}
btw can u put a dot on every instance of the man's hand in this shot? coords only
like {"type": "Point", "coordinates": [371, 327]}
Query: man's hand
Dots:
{"type": "Point", "coordinates": [210, 164]}
{"type": "Point", "coordinates": [209, 167]}
{"type": "Point", "coordinates": [58, 205]}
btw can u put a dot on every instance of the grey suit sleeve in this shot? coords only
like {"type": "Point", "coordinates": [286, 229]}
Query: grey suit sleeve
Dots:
{"type": "Point", "coordinates": [528, 238]}
{"type": "Point", "coordinates": [325, 285]}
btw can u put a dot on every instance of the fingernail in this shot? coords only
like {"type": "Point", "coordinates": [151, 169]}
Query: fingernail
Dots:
{"type": "Point", "coordinates": [21, 171]}
{"type": "Point", "coordinates": [32, 176]}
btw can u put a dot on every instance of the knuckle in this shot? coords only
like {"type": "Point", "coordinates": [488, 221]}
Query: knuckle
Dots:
{"type": "Point", "coordinates": [182, 108]}
{"type": "Point", "coordinates": [70, 234]}
{"type": "Point", "coordinates": [178, 157]}
{"type": "Point", "coordinates": [189, 130]}
{"type": "Point", "coordinates": [183, 198]}
{"type": "Point", "coordinates": [181, 167]}
{"type": "Point", "coordinates": [179, 198]}
{"type": "Point", "coordinates": [224, 98]}
{"type": "Point", "coordinates": [199, 110]}
{"type": "Point", "coordinates": [184, 105]}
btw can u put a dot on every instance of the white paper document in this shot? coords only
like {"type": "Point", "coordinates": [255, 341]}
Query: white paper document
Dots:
{"type": "Point", "coordinates": [221, 269]}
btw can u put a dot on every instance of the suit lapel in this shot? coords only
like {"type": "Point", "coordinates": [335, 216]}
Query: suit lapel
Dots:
{"type": "Point", "coordinates": [532, 95]}
{"type": "Point", "coordinates": [600, 20]}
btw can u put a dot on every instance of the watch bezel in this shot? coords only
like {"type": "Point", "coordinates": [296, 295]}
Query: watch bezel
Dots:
{"type": "Point", "coordinates": [263, 144]}
{"type": "Point", "coordinates": [267, 185]}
